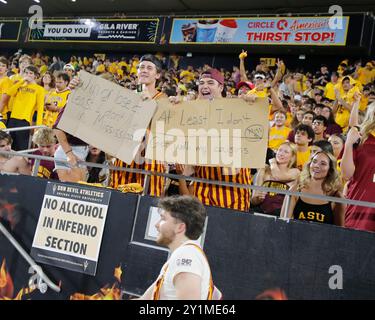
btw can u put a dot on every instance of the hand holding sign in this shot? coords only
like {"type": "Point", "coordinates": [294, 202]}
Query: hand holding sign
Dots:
{"type": "Point", "coordinates": [106, 115]}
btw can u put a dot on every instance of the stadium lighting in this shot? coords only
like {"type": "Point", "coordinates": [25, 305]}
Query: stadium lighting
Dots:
{"type": "Point", "coordinates": [37, 1]}
{"type": "Point", "coordinates": [4, 1]}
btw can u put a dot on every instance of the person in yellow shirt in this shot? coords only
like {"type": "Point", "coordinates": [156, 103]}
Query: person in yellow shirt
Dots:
{"type": "Point", "coordinates": [57, 99]}
{"type": "Point", "coordinates": [100, 68]}
{"type": "Point", "coordinates": [28, 98]}
{"type": "Point", "coordinates": [279, 132]}
{"type": "Point", "coordinates": [133, 65]}
{"type": "Point", "coordinates": [6, 100]}
{"type": "Point", "coordinates": [5, 83]}
{"type": "Point", "coordinates": [365, 75]}
{"type": "Point", "coordinates": [304, 135]}
{"type": "Point", "coordinates": [123, 63]}
{"type": "Point", "coordinates": [263, 89]}
{"type": "Point", "coordinates": [329, 90]}
{"type": "Point", "coordinates": [113, 67]}
{"type": "Point", "coordinates": [344, 102]}
{"type": "Point", "coordinates": [43, 68]}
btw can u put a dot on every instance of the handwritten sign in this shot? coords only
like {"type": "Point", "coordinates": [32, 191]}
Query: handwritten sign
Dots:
{"type": "Point", "coordinates": [108, 116]}
{"type": "Point", "coordinates": [70, 227]}
{"type": "Point", "coordinates": [222, 132]}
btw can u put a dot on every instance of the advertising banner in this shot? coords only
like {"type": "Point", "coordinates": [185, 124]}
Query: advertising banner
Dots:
{"type": "Point", "coordinates": [10, 30]}
{"type": "Point", "coordinates": [319, 31]}
{"type": "Point", "coordinates": [97, 31]}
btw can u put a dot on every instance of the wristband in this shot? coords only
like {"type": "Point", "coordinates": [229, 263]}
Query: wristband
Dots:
{"type": "Point", "coordinates": [68, 151]}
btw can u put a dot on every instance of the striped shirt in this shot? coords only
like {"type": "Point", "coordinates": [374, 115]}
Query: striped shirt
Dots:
{"type": "Point", "coordinates": [156, 186]}
{"type": "Point", "coordinates": [222, 196]}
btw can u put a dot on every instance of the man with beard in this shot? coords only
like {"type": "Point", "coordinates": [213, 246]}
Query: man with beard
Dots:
{"type": "Point", "coordinates": [186, 274]}
{"type": "Point", "coordinates": [5, 145]}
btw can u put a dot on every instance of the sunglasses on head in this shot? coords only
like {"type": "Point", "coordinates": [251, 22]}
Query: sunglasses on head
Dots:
{"type": "Point", "coordinates": [259, 77]}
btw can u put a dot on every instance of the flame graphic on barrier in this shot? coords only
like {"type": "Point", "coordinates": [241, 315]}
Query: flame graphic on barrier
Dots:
{"type": "Point", "coordinates": [272, 294]}
{"type": "Point", "coordinates": [106, 293]}
{"type": "Point", "coordinates": [7, 287]}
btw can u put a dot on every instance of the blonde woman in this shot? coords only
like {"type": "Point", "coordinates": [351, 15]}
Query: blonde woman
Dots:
{"type": "Point", "coordinates": [280, 174]}
{"type": "Point", "coordinates": [358, 166]}
{"type": "Point", "coordinates": [319, 177]}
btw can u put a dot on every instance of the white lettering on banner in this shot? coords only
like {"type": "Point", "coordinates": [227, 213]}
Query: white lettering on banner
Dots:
{"type": "Point", "coordinates": [67, 30]}
{"type": "Point", "coordinates": [1, 28]}
{"type": "Point", "coordinates": [118, 26]}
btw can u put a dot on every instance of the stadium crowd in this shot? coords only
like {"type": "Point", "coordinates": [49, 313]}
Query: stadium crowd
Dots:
{"type": "Point", "coordinates": [321, 137]}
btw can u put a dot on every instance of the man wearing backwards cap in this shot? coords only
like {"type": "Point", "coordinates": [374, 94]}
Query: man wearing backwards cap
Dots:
{"type": "Point", "coordinates": [70, 70]}
{"type": "Point", "coordinates": [244, 87]}
{"type": "Point", "coordinates": [149, 72]}
{"type": "Point", "coordinates": [211, 84]}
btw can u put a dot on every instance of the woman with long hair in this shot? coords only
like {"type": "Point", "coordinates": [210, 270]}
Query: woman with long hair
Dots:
{"type": "Point", "coordinates": [279, 174]}
{"type": "Point", "coordinates": [337, 141]}
{"type": "Point", "coordinates": [48, 82]}
{"type": "Point", "coordinates": [358, 166]}
{"type": "Point", "coordinates": [319, 177]}
{"type": "Point", "coordinates": [297, 118]}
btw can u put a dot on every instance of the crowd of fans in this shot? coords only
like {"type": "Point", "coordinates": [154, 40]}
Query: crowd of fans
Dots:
{"type": "Point", "coordinates": [321, 137]}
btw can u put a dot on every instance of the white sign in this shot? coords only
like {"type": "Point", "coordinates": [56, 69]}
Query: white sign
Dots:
{"type": "Point", "coordinates": [67, 30]}
{"type": "Point", "coordinates": [70, 227]}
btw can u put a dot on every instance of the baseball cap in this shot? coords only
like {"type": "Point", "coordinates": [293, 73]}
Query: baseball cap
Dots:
{"type": "Point", "coordinates": [248, 84]}
{"type": "Point", "coordinates": [151, 58]}
{"type": "Point", "coordinates": [69, 66]}
{"type": "Point", "coordinates": [213, 74]}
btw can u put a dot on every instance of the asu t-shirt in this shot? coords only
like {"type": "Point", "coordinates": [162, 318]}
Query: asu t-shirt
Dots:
{"type": "Point", "coordinates": [57, 99]}
{"type": "Point", "coordinates": [45, 169]}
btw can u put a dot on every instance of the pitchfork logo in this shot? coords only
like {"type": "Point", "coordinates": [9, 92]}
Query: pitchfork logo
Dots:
{"type": "Point", "coordinates": [54, 188]}
{"type": "Point", "coordinates": [85, 265]}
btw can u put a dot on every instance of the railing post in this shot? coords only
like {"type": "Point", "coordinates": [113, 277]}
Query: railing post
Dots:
{"type": "Point", "coordinates": [36, 168]}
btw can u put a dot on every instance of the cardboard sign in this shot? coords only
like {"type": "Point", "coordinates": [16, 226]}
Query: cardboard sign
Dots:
{"type": "Point", "coordinates": [108, 116]}
{"type": "Point", "coordinates": [222, 132]}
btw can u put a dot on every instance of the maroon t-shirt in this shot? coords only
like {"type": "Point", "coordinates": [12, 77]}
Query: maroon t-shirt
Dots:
{"type": "Point", "coordinates": [362, 187]}
{"type": "Point", "coordinates": [72, 140]}
{"type": "Point", "coordinates": [46, 168]}
{"type": "Point", "coordinates": [333, 128]}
